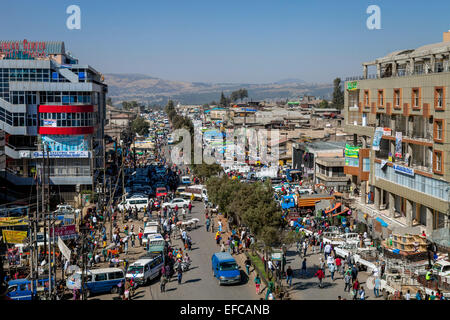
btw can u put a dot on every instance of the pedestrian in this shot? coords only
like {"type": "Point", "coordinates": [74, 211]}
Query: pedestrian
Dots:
{"type": "Point", "coordinates": [248, 264]}
{"type": "Point", "coordinates": [163, 283]}
{"type": "Point", "coordinates": [376, 288]}
{"type": "Point", "coordinates": [222, 247]}
{"type": "Point", "coordinates": [218, 237]}
{"type": "Point", "coordinates": [220, 226]}
{"type": "Point", "coordinates": [332, 268]}
{"type": "Point", "coordinates": [305, 247]}
{"type": "Point", "coordinates": [304, 267]}
{"type": "Point", "coordinates": [289, 274]}
{"type": "Point", "coordinates": [320, 275]}
{"type": "Point", "coordinates": [190, 208]}
{"type": "Point", "coordinates": [408, 295]}
{"type": "Point", "coordinates": [133, 237]}
{"type": "Point", "coordinates": [347, 280]}
{"type": "Point", "coordinates": [354, 273]}
{"type": "Point", "coordinates": [362, 293]}
{"type": "Point", "coordinates": [339, 268]}
{"type": "Point", "coordinates": [419, 295]}
{"type": "Point", "coordinates": [208, 223]}
{"type": "Point", "coordinates": [355, 289]}
{"type": "Point", "coordinates": [257, 281]}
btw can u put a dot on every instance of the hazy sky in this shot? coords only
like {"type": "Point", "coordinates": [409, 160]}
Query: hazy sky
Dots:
{"type": "Point", "coordinates": [229, 41]}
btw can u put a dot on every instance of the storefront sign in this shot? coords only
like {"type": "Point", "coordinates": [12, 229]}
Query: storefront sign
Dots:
{"type": "Point", "coordinates": [65, 232]}
{"type": "Point", "coordinates": [352, 85]}
{"type": "Point", "coordinates": [25, 154]}
{"type": "Point", "coordinates": [62, 154]}
{"type": "Point", "coordinates": [351, 152]}
{"type": "Point", "coordinates": [13, 236]}
{"type": "Point", "coordinates": [387, 132]}
{"type": "Point", "coordinates": [405, 170]}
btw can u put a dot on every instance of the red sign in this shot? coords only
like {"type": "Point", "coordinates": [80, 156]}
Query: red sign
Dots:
{"type": "Point", "coordinates": [65, 232]}
{"type": "Point", "coordinates": [32, 49]}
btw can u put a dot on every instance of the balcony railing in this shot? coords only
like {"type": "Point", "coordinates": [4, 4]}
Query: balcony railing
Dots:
{"type": "Point", "coordinates": [439, 68]}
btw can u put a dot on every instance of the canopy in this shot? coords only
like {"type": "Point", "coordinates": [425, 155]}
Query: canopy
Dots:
{"type": "Point", "coordinates": [307, 202]}
{"type": "Point", "coordinates": [334, 208]}
{"type": "Point", "coordinates": [342, 212]}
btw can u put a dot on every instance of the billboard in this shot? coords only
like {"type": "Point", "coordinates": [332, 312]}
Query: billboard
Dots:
{"type": "Point", "coordinates": [62, 154]}
{"type": "Point", "coordinates": [65, 232]}
{"type": "Point", "coordinates": [13, 236]}
{"type": "Point", "coordinates": [66, 142]}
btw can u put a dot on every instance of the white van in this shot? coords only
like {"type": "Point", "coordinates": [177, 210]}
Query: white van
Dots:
{"type": "Point", "coordinates": [140, 203]}
{"type": "Point", "coordinates": [199, 191]}
{"type": "Point", "coordinates": [151, 229]}
{"type": "Point", "coordinates": [144, 270]}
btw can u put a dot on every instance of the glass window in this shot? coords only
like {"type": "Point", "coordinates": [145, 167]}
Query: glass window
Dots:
{"type": "Point", "coordinates": [100, 277]}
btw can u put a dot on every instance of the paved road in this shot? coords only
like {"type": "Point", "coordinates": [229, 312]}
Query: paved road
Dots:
{"type": "Point", "coordinates": [198, 283]}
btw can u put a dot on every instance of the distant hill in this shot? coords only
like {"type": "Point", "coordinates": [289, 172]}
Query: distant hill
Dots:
{"type": "Point", "coordinates": [149, 89]}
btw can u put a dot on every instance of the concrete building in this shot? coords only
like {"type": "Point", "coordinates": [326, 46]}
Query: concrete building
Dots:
{"type": "Point", "coordinates": [50, 102]}
{"type": "Point", "coordinates": [400, 119]}
{"type": "Point", "coordinates": [329, 171]}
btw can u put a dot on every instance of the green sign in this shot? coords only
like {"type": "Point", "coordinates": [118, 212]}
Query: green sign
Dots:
{"type": "Point", "coordinates": [351, 151]}
{"type": "Point", "coordinates": [352, 85]}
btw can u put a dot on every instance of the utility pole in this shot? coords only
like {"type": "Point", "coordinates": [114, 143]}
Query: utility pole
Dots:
{"type": "Point", "coordinates": [123, 179]}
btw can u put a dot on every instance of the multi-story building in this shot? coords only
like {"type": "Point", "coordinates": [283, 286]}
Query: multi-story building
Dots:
{"type": "Point", "coordinates": [400, 118]}
{"type": "Point", "coordinates": [50, 102]}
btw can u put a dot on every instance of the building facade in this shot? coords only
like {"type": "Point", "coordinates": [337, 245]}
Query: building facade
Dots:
{"type": "Point", "coordinates": [400, 118]}
{"type": "Point", "coordinates": [50, 106]}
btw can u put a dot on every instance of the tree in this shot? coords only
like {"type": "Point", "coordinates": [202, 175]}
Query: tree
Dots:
{"type": "Point", "coordinates": [323, 104]}
{"type": "Point", "coordinates": [140, 126]}
{"type": "Point", "coordinates": [338, 94]}
{"type": "Point", "coordinates": [223, 100]}
{"type": "Point", "coordinates": [109, 102]}
{"type": "Point", "coordinates": [243, 94]}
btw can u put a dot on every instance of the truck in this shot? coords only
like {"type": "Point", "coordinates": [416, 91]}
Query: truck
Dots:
{"type": "Point", "coordinates": [199, 191]}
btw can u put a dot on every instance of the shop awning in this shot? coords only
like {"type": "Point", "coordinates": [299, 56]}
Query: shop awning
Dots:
{"type": "Point", "coordinates": [345, 211]}
{"type": "Point", "coordinates": [307, 202]}
{"type": "Point", "coordinates": [334, 208]}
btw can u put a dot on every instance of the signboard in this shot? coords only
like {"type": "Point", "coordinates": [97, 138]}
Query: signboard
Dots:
{"type": "Point", "coordinates": [65, 142]}
{"type": "Point", "coordinates": [23, 49]}
{"type": "Point", "coordinates": [398, 144]}
{"type": "Point", "coordinates": [352, 85]}
{"type": "Point", "coordinates": [13, 236]}
{"type": "Point", "coordinates": [404, 170]}
{"type": "Point", "coordinates": [62, 154]}
{"type": "Point", "coordinates": [25, 154]}
{"type": "Point", "coordinates": [65, 232]}
{"type": "Point", "coordinates": [387, 132]}
{"type": "Point", "coordinates": [351, 151]}
{"type": "Point", "coordinates": [49, 123]}
{"type": "Point", "coordinates": [377, 138]}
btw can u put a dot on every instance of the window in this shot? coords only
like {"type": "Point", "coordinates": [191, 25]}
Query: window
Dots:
{"type": "Point", "coordinates": [439, 98]}
{"type": "Point", "coordinates": [366, 98]}
{"type": "Point", "coordinates": [381, 98]}
{"type": "Point", "coordinates": [366, 164]}
{"type": "Point", "coordinates": [100, 277]}
{"type": "Point", "coordinates": [438, 134]}
{"type": "Point", "coordinates": [397, 98]}
{"type": "Point", "coordinates": [437, 166]}
{"type": "Point", "coordinates": [415, 98]}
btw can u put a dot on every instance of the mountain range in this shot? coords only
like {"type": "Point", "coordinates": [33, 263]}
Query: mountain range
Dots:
{"type": "Point", "coordinates": [147, 89]}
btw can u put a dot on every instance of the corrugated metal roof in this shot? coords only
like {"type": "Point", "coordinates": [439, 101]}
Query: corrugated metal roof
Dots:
{"type": "Point", "coordinates": [51, 47]}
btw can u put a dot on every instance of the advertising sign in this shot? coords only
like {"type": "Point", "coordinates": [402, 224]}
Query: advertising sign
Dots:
{"type": "Point", "coordinates": [65, 142]}
{"type": "Point", "coordinates": [377, 139]}
{"type": "Point", "coordinates": [352, 85]}
{"type": "Point", "coordinates": [351, 151]}
{"type": "Point", "coordinates": [13, 236]}
{"type": "Point", "coordinates": [387, 132]}
{"type": "Point", "coordinates": [25, 154]}
{"type": "Point", "coordinates": [65, 232]}
{"type": "Point", "coordinates": [62, 154]}
{"type": "Point", "coordinates": [49, 123]}
{"type": "Point", "coordinates": [405, 170]}
{"type": "Point", "coordinates": [398, 144]}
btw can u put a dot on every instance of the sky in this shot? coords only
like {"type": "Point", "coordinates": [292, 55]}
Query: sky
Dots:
{"type": "Point", "coordinates": [242, 41]}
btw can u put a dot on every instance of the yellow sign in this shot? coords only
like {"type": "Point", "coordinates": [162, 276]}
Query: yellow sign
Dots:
{"type": "Point", "coordinates": [13, 236]}
{"type": "Point", "coordinates": [13, 221]}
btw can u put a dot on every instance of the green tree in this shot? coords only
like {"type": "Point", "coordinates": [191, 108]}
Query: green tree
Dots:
{"type": "Point", "coordinates": [109, 101]}
{"type": "Point", "coordinates": [140, 126]}
{"type": "Point", "coordinates": [338, 94]}
{"type": "Point", "coordinates": [243, 93]}
{"type": "Point", "coordinates": [323, 104]}
{"type": "Point", "coordinates": [223, 100]}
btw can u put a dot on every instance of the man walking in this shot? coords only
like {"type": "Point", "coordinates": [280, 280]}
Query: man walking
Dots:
{"type": "Point", "coordinates": [289, 274]}
{"type": "Point", "coordinates": [248, 263]}
{"type": "Point", "coordinates": [304, 267]}
{"type": "Point", "coordinates": [320, 275]}
{"type": "Point", "coordinates": [208, 222]}
{"type": "Point", "coordinates": [347, 279]}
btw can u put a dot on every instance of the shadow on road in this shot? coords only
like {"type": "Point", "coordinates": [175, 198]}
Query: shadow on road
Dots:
{"type": "Point", "coordinates": [192, 280]}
